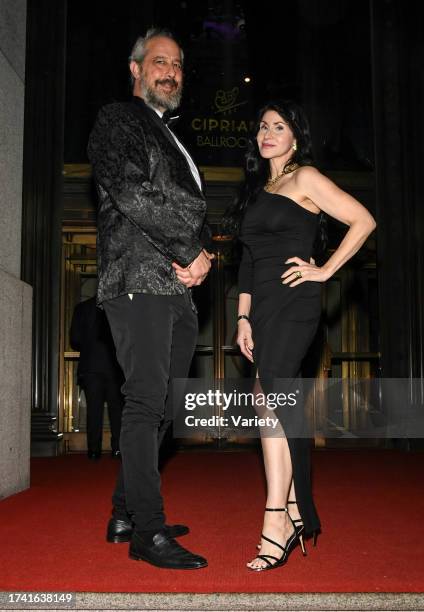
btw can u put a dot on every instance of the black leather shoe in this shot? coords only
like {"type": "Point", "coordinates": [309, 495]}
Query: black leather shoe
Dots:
{"type": "Point", "coordinates": [119, 531]}
{"type": "Point", "coordinates": [175, 531]}
{"type": "Point", "coordinates": [163, 551]}
{"type": "Point", "coordinates": [116, 454]}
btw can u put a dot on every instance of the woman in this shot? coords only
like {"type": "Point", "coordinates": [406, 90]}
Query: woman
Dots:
{"type": "Point", "coordinates": [280, 298]}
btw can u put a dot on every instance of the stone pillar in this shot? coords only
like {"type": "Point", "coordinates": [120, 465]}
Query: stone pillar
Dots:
{"type": "Point", "coordinates": [15, 295]}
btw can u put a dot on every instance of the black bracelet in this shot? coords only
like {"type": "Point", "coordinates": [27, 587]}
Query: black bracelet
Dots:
{"type": "Point", "coordinates": [243, 317]}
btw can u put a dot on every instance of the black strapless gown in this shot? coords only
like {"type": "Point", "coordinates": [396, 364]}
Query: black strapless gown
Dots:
{"type": "Point", "coordinates": [284, 319]}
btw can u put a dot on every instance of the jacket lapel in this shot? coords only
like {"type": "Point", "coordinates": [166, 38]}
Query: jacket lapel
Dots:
{"type": "Point", "coordinates": [140, 106]}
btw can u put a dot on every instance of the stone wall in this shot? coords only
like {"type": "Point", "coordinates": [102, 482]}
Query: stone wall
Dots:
{"type": "Point", "coordinates": [15, 295]}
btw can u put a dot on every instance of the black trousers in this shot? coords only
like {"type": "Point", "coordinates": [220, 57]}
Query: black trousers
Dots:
{"type": "Point", "coordinates": [98, 389]}
{"type": "Point", "coordinates": [155, 337]}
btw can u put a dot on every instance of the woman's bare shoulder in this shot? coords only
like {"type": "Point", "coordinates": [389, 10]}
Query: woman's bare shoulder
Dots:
{"type": "Point", "coordinates": [309, 175]}
{"type": "Point", "coordinates": [307, 172]}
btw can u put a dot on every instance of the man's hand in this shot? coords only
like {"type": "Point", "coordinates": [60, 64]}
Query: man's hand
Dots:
{"type": "Point", "coordinates": [196, 272]}
{"type": "Point", "coordinates": [210, 256]}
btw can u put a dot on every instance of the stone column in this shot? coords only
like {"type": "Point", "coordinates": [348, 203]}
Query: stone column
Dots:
{"type": "Point", "coordinates": [15, 295]}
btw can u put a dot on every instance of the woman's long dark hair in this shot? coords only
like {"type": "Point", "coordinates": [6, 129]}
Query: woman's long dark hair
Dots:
{"type": "Point", "coordinates": [257, 169]}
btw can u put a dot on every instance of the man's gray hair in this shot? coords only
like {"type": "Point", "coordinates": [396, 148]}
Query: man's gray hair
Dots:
{"type": "Point", "coordinates": [138, 52]}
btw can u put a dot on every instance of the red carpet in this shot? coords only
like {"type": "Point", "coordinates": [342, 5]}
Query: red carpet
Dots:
{"type": "Point", "coordinates": [371, 505]}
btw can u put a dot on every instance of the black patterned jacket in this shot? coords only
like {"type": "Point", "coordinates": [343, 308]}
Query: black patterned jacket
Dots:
{"type": "Point", "coordinates": [151, 211]}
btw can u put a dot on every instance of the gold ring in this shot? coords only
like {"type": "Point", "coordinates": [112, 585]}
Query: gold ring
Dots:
{"type": "Point", "coordinates": [298, 274]}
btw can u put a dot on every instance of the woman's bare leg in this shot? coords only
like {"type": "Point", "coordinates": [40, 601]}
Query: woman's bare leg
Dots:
{"type": "Point", "coordinates": [278, 470]}
{"type": "Point", "coordinates": [293, 508]}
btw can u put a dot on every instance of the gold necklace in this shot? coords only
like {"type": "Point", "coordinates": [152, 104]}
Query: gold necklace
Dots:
{"type": "Point", "coordinates": [286, 170]}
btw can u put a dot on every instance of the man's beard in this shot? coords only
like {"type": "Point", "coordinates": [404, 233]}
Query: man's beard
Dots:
{"type": "Point", "coordinates": [158, 99]}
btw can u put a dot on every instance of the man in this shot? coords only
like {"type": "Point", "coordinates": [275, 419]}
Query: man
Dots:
{"type": "Point", "coordinates": [98, 374]}
{"type": "Point", "coordinates": [150, 253]}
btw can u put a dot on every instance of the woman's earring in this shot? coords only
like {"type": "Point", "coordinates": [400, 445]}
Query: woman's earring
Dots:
{"type": "Point", "coordinates": [294, 146]}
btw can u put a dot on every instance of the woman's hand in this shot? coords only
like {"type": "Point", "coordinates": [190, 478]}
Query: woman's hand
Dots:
{"type": "Point", "coordinates": [308, 271]}
{"type": "Point", "coordinates": [244, 338]}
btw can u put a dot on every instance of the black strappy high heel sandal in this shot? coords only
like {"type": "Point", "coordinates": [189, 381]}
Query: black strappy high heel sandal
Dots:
{"type": "Point", "coordinates": [290, 545]}
{"type": "Point", "coordinates": [300, 529]}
